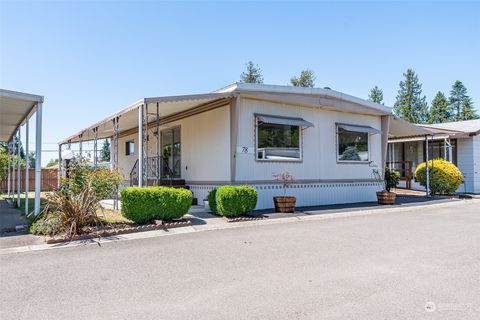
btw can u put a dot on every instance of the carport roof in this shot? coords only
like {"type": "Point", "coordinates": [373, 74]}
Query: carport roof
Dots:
{"type": "Point", "coordinates": [15, 108]}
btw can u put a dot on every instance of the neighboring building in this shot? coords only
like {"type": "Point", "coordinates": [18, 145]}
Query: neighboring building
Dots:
{"type": "Point", "coordinates": [457, 142]}
{"type": "Point", "coordinates": [242, 134]}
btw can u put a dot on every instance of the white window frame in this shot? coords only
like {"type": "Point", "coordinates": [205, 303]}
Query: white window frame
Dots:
{"type": "Point", "coordinates": [300, 145]}
{"type": "Point", "coordinates": [338, 146]}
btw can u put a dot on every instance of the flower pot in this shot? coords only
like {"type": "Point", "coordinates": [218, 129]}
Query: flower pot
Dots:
{"type": "Point", "coordinates": [385, 197]}
{"type": "Point", "coordinates": [284, 204]}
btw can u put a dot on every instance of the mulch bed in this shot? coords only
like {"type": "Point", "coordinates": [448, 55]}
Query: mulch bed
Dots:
{"type": "Point", "coordinates": [118, 229]}
{"type": "Point", "coordinates": [245, 218]}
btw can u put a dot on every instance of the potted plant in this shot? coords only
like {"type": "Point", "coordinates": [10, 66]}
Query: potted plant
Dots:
{"type": "Point", "coordinates": [389, 181]}
{"type": "Point", "coordinates": [284, 204]}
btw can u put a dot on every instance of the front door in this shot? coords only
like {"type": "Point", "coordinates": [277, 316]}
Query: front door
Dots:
{"type": "Point", "coordinates": [171, 153]}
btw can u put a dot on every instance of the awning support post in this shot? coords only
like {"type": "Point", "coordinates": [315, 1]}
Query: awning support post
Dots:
{"type": "Point", "coordinates": [13, 168]}
{"type": "Point", "coordinates": [59, 172]}
{"type": "Point", "coordinates": [158, 144]}
{"type": "Point", "coordinates": [445, 148]}
{"type": "Point", "coordinates": [95, 146]}
{"type": "Point", "coordinates": [450, 153]}
{"type": "Point", "coordinates": [18, 168]}
{"type": "Point", "coordinates": [9, 151]}
{"type": "Point", "coordinates": [80, 144]}
{"type": "Point", "coordinates": [427, 171]}
{"type": "Point", "coordinates": [145, 141]}
{"type": "Point", "coordinates": [27, 166]}
{"type": "Point", "coordinates": [140, 146]}
{"type": "Point", "coordinates": [38, 158]}
{"type": "Point", "coordinates": [115, 157]}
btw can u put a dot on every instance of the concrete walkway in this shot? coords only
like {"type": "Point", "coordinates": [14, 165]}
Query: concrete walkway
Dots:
{"type": "Point", "coordinates": [11, 219]}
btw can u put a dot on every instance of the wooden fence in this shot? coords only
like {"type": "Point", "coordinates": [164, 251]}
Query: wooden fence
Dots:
{"type": "Point", "coordinates": [49, 180]}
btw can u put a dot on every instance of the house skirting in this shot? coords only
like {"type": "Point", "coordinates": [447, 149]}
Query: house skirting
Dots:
{"type": "Point", "coordinates": [307, 194]}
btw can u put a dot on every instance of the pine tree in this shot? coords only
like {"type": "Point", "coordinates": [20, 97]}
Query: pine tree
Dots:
{"type": "Point", "coordinates": [460, 103]}
{"type": "Point", "coordinates": [31, 159]}
{"type": "Point", "coordinates": [306, 79]}
{"type": "Point", "coordinates": [252, 75]}
{"type": "Point", "coordinates": [439, 110]}
{"type": "Point", "coordinates": [376, 95]}
{"type": "Point", "coordinates": [105, 152]}
{"type": "Point", "coordinates": [411, 106]}
{"type": "Point", "coordinates": [468, 112]}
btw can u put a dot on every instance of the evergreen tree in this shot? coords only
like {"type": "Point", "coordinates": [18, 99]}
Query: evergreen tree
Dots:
{"type": "Point", "coordinates": [439, 110]}
{"type": "Point", "coordinates": [252, 75]}
{"type": "Point", "coordinates": [306, 79]}
{"type": "Point", "coordinates": [468, 112]}
{"type": "Point", "coordinates": [31, 159]}
{"type": "Point", "coordinates": [460, 103]}
{"type": "Point", "coordinates": [411, 106]}
{"type": "Point", "coordinates": [105, 151]}
{"type": "Point", "coordinates": [376, 95]}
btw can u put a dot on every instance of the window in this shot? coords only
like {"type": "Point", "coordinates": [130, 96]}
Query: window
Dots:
{"type": "Point", "coordinates": [278, 142]}
{"type": "Point", "coordinates": [129, 148]}
{"type": "Point", "coordinates": [353, 143]}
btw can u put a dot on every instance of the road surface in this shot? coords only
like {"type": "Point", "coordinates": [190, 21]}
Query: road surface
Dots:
{"type": "Point", "coordinates": [421, 264]}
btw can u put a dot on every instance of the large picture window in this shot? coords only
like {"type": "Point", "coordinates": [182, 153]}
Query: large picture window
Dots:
{"type": "Point", "coordinates": [353, 143]}
{"type": "Point", "coordinates": [278, 142]}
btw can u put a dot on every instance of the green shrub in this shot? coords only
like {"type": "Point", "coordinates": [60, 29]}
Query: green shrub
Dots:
{"type": "Point", "coordinates": [234, 201]}
{"type": "Point", "coordinates": [104, 182]}
{"type": "Point", "coordinates": [49, 226]}
{"type": "Point", "coordinates": [392, 177]}
{"type": "Point", "coordinates": [144, 204]}
{"type": "Point", "coordinates": [445, 178]}
{"type": "Point", "coordinates": [212, 200]}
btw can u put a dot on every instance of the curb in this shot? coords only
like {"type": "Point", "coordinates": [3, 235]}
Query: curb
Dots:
{"type": "Point", "coordinates": [201, 228]}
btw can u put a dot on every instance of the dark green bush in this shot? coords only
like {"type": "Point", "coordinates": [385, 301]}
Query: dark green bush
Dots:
{"type": "Point", "coordinates": [144, 204]}
{"type": "Point", "coordinates": [234, 201]}
{"type": "Point", "coordinates": [392, 178]}
{"type": "Point", "coordinates": [212, 200]}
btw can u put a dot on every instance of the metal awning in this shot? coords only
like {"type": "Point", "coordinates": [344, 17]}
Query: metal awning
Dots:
{"type": "Point", "coordinates": [15, 107]}
{"type": "Point", "coordinates": [283, 120]}
{"type": "Point", "coordinates": [129, 116]}
{"type": "Point", "coordinates": [402, 129]}
{"type": "Point", "coordinates": [357, 128]}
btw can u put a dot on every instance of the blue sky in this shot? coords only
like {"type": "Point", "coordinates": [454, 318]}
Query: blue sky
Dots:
{"type": "Point", "coordinates": [90, 59]}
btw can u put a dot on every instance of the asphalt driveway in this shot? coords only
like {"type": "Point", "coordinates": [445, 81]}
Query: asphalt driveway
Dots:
{"type": "Point", "coordinates": [420, 264]}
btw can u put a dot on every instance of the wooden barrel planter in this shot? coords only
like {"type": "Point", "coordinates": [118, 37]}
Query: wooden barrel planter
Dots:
{"type": "Point", "coordinates": [284, 204]}
{"type": "Point", "coordinates": [385, 197]}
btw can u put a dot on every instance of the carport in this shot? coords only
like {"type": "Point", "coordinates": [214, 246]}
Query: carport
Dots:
{"type": "Point", "coordinates": [16, 110]}
{"type": "Point", "coordinates": [401, 130]}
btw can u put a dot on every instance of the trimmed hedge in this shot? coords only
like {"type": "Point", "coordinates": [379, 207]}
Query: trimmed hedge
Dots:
{"type": "Point", "coordinates": [445, 178]}
{"type": "Point", "coordinates": [232, 201]}
{"type": "Point", "coordinates": [144, 204]}
{"type": "Point", "coordinates": [212, 200]}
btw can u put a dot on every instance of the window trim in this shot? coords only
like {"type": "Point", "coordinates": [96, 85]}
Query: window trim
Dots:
{"type": "Point", "coordinates": [127, 153]}
{"type": "Point", "coordinates": [300, 145]}
{"type": "Point", "coordinates": [338, 146]}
